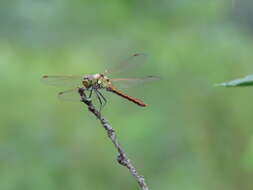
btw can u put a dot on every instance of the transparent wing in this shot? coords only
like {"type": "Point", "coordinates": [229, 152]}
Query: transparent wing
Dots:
{"type": "Point", "coordinates": [69, 95]}
{"type": "Point", "coordinates": [73, 96]}
{"type": "Point", "coordinates": [70, 81]}
{"type": "Point", "coordinates": [130, 63]}
{"type": "Point", "coordinates": [131, 82]}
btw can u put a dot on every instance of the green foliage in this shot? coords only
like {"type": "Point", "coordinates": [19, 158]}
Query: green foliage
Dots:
{"type": "Point", "coordinates": [246, 81]}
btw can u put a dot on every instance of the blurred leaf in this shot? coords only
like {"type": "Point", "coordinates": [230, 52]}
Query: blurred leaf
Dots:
{"type": "Point", "coordinates": [246, 81]}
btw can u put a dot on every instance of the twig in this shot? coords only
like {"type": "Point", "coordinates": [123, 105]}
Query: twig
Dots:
{"type": "Point", "coordinates": [122, 157]}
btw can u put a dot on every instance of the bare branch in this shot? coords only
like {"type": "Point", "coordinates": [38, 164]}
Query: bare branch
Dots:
{"type": "Point", "coordinates": [122, 157]}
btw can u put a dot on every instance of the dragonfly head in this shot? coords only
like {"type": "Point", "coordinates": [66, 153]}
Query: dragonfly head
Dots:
{"type": "Point", "coordinates": [87, 81]}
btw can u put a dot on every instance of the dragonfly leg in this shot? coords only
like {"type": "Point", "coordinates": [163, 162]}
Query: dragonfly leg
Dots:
{"type": "Point", "coordinates": [90, 92]}
{"type": "Point", "coordinates": [102, 96]}
{"type": "Point", "coordinates": [99, 99]}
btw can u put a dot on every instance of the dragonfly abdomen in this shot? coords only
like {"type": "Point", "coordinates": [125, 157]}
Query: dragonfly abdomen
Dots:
{"type": "Point", "coordinates": [122, 94]}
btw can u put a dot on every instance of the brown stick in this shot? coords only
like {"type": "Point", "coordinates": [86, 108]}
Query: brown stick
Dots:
{"type": "Point", "coordinates": [122, 157]}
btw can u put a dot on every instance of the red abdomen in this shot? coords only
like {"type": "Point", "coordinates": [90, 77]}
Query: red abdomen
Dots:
{"type": "Point", "coordinates": [122, 94]}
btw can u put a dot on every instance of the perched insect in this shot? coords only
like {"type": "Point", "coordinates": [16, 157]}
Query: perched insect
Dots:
{"type": "Point", "coordinates": [96, 82]}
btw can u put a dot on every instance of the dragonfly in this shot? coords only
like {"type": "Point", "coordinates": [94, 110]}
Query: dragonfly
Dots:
{"type": "Point", "coordinates": [95, 83]}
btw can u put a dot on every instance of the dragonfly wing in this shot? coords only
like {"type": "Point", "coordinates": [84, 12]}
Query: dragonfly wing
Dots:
{"type": "Point", "coordinates": [131, 82]}
{"type": "Point", "coordinates": [70, 81]}
{"type": "Point", "coordinates": [73, 95]}
{"type": "Point", "coordinates": [69, 95]}
{"type": "Point", "coordinates": [130, 63]}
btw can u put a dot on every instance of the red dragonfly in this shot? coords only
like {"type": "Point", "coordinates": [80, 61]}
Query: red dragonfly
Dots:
{"type": "Point", "coordinates": [97, 82]}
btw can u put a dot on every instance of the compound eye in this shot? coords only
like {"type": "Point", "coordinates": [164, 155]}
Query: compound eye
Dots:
{"type": "Point", "coordinates": [86, 83]}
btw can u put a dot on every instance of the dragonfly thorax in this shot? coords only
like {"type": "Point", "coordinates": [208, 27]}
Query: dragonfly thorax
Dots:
{"type": "Point", "coordinates": [96, 81]}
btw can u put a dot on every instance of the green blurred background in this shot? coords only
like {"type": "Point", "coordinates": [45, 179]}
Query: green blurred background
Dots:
{"type": "Point", "coordinates": [192, 135]}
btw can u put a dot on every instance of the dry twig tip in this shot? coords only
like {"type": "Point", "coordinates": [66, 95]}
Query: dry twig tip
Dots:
{"type": "Point", "coordinates": [122, 157]}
